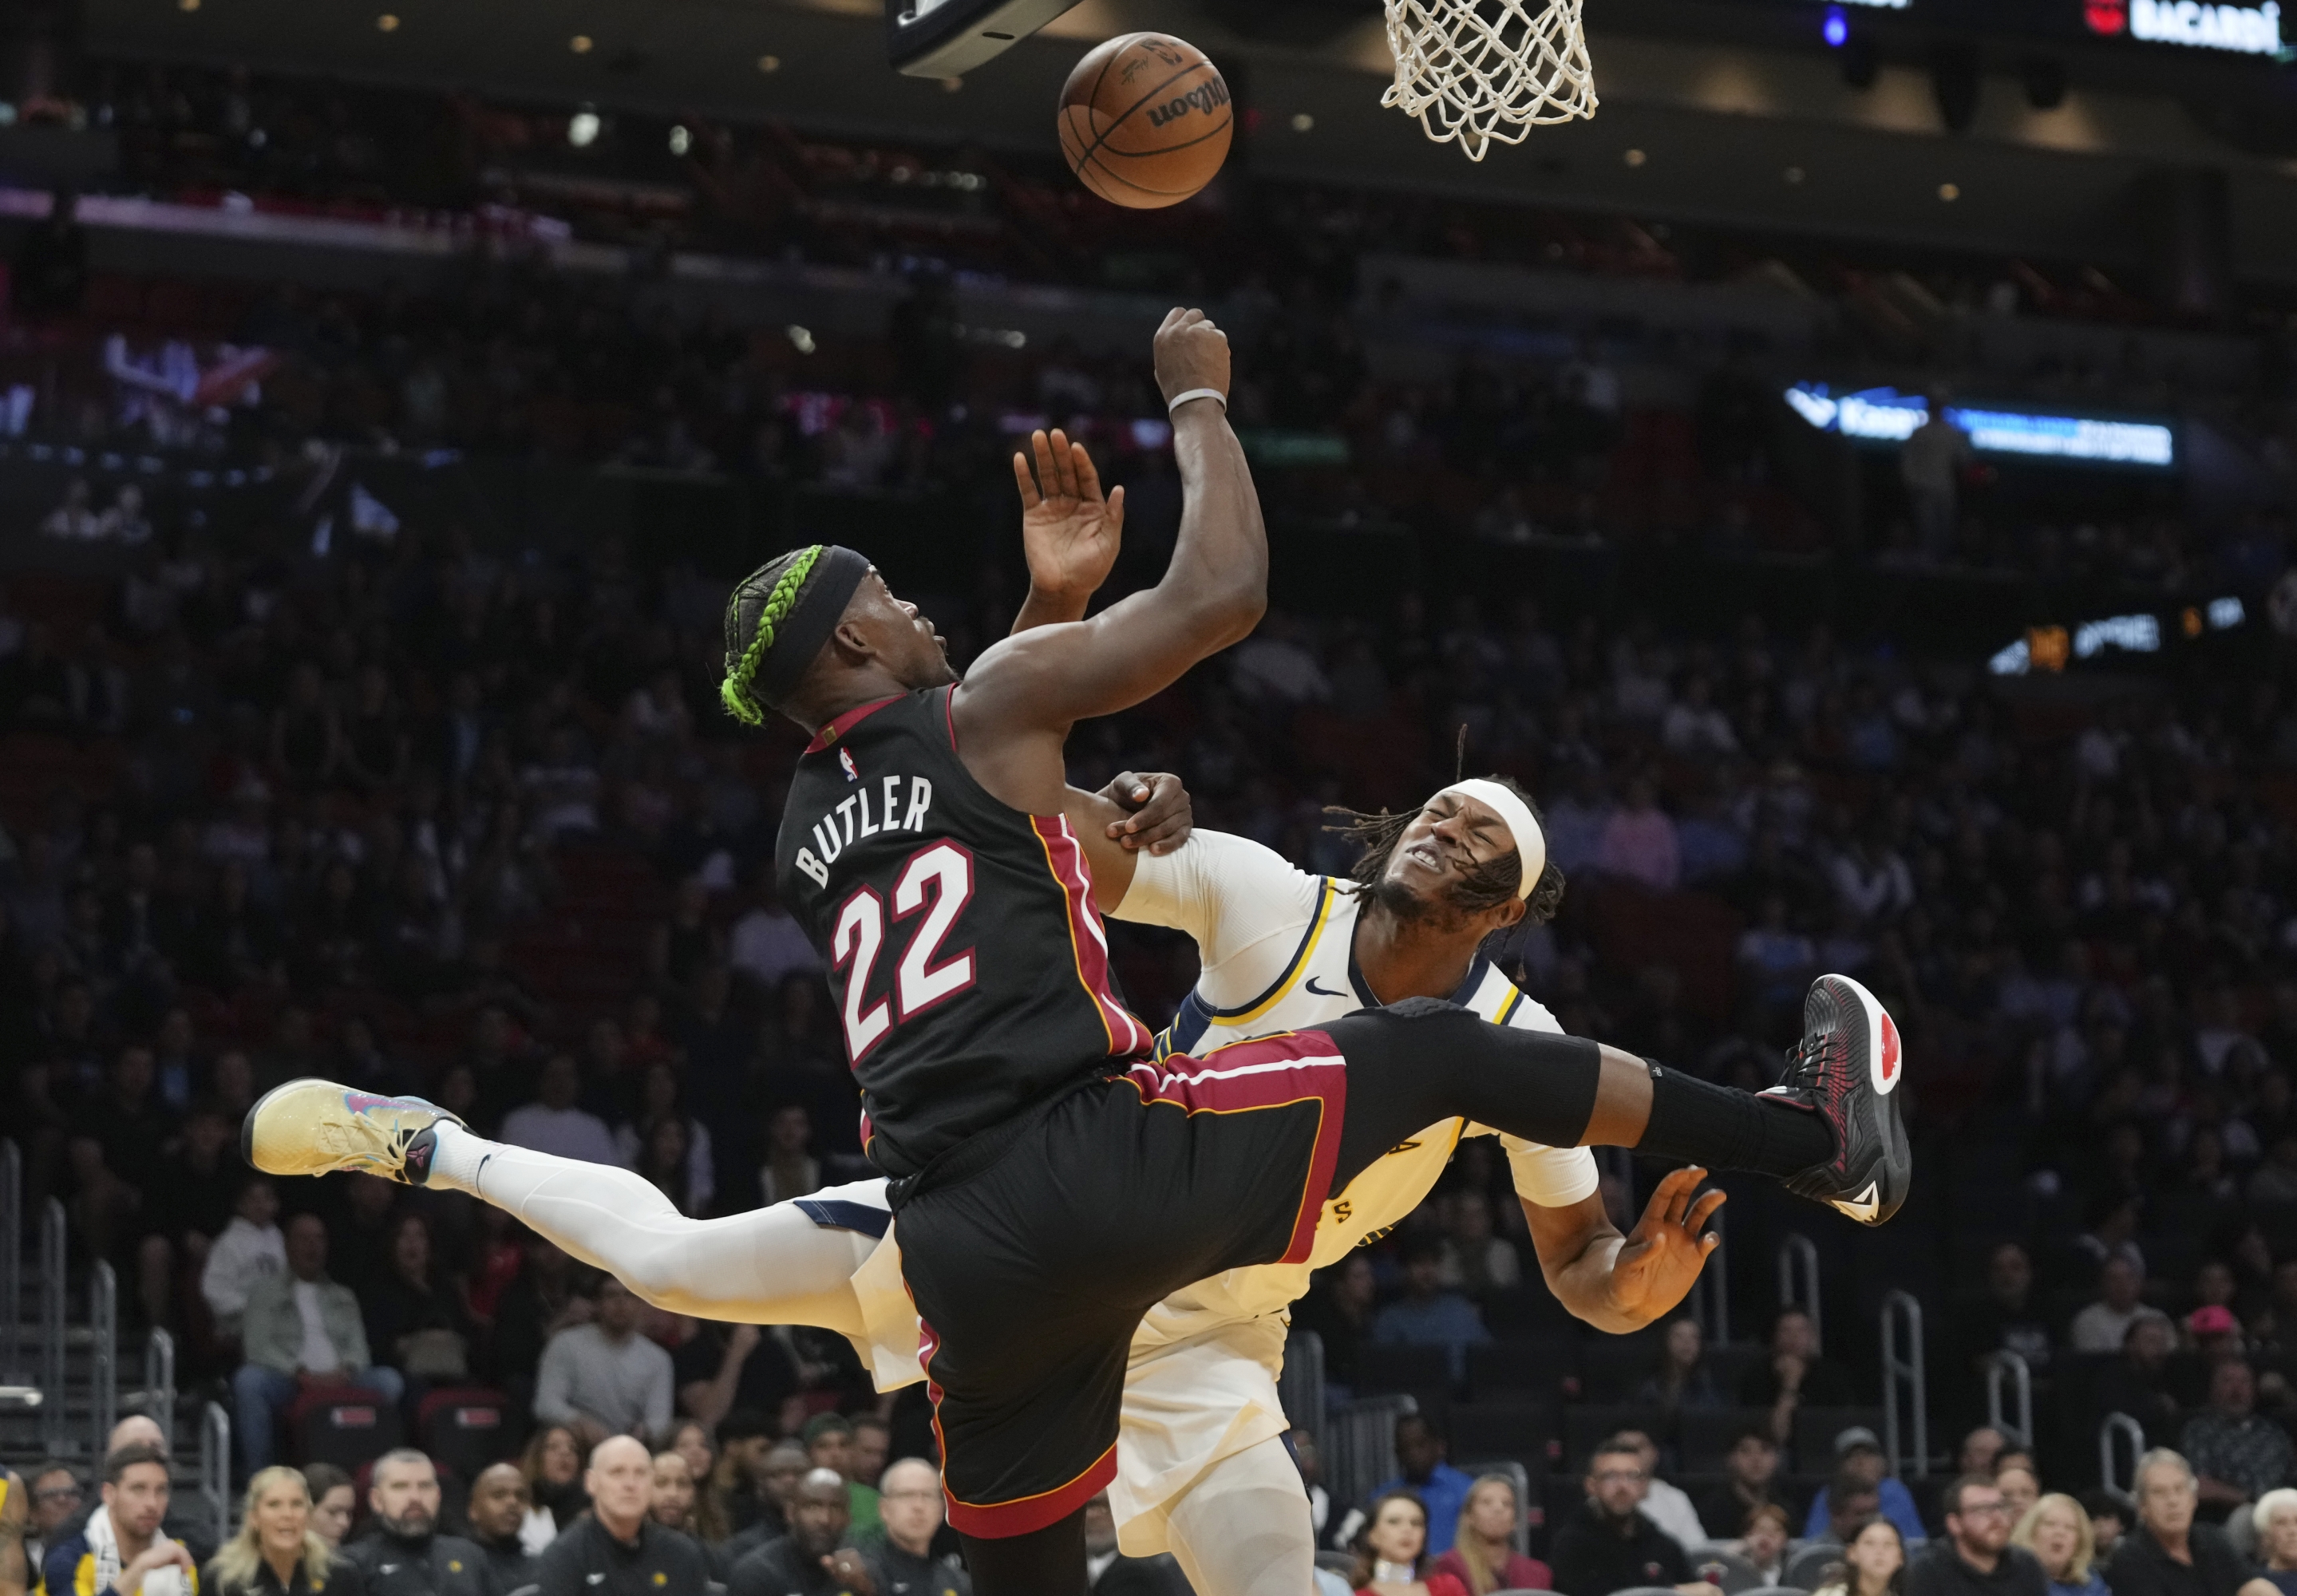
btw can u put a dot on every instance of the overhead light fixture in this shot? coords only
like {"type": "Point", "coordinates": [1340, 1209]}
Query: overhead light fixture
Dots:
{"type": "Point", "coordinates": [1302, 122]}
{"type": "Point", "coordinates": [950, 86]}
{"type": "Point", "coordinates": [680, 140]}
{"type": "Point", "coordinates": [770, 63]}
{"type": "Point", "coordinates": [188, 4]}
{"type": "Point", "coordinates": [1836, 29]}
{"type": "Point", "coordinates": [580, 44]}
{"type": "Point", "coordinates": [582, 129]}
{"type": "Point", "coordinates": [1949, 191]}
{"type": "Point", "coordinates": [800, 338]}
{"type": "Point", "coordinates": [1635, 157]}
{"type": "Point", "coordinates": [386, 23]}
{"type": "Point", "coordinates": [1794, 174]}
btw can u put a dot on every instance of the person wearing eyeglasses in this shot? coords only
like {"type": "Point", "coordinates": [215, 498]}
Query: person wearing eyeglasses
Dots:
{"type": "Point", "coordinates": [1974, 1557]}
{"type": "Point", "coordinates": [53, 1498]}
{"type": "Point", "coordinates": [1611, 1544]}
{"type": "Point", "coordinates": [2168, 1554]}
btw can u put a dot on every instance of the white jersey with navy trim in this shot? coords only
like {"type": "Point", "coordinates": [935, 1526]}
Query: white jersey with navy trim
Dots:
{"type": "Point", "coordinates": [1277, 946]}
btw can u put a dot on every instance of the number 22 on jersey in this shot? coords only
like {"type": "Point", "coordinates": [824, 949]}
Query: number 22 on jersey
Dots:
{"type": "Point", "coordinates": [941, 875]}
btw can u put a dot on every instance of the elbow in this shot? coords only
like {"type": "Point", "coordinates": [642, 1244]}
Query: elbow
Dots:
{"type": "Point", "coordinates": [1235, 615]}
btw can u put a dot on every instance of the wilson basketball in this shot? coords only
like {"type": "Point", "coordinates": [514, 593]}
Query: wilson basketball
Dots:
{"type": "Point", "coordinates": [1145, 120]}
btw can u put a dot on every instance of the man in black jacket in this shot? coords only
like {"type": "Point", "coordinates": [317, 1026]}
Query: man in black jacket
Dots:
{"type": "Point", "coordinates": [406, 1555]}
{"type": "Point", "coordinates": [2168, 1554]}
{"type": "Point", "coordinates": [909, 1501]}
{"type": "Point", "coordinates": [498, 1505]}
{"type": "Point", "coordinates": [617, 1550]}
{"type": "Point", "coordinates": [1974, 1557]}
{"type": "Point", "coordinates": [812, 1559]}
{"type": "Point", "coordinates": [1610, 1545]}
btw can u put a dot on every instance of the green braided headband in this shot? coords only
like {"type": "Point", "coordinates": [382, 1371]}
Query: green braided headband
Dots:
{"type": "Point", "coordinates": [738, 690]}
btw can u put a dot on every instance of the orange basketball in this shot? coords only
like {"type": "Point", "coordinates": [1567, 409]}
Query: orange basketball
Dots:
{"type": "Point", "coordinates": [1145, 120]}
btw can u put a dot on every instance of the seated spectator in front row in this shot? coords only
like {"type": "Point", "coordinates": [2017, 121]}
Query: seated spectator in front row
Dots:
{"type": "Point", "coordinates": [1859, 1467]}
{"type": "Point", "coordinates": [1874, 1563]}
{"type": "Point", "coordinates": [1483, 1555]}
{"type": "Point", "coordinates": [2109, 1521]}
{"type": "Point", "coordinates": [1426, 1315]}
{"type": "Point", "coordinates": [552, 1466]}
{"type": "Point", "coordinates": [617, 1542]}
{"type": "Point", "coordinates": [2275, 1517]}
{"type": "Point", "coordinates": [496, 1512]}
{"type": "Point", "coordinates": [1763, 1543]}
{"type": "Point", "coordinates": [1974, 1557]}
{"type": "Point", "coordinates": [2057, 1532]}
{"type": "Point", "coordinates": [300, 1329]}
{"type": "Point", "coordinates": [276, 1550]}
{"type": "Point", "coordinates": [671, 1506]}
{"type": "Point", "coordinates": [909, 1498]}
{"type": "Point", "coordinates": [334, 1503]}
{"type": "Point", "coordinates": [2168, 1554]}
{"type": "Point", "coordinates": [1610, 1544]}
{"type": "Point", "coordinates": [2105, 1324]}
{"type": "Point", "coordinates": [403, 1495]}
{"type": "Point", "coordinates": [1664, 1504]}
{"type": "Point", "coordinates": [1751, 1480]}
{"type": "Point", "coordinates": [1394, 1560]}
{"type": "Point", "coordinates": [1440, 1489]}
{"type": "Point", "coordinates": [2236, 1455]}
{"type": "Point", "coordinates": [2021, 1487]}
{"type": "Point", "coordinates": [814, 1558]}
{"type": "Point", "coordinates": [829, 1444]}
{"type": "Point", "coordinates": [603, 1378]}
{"type": "Point", "coordinates": [121, 1547]}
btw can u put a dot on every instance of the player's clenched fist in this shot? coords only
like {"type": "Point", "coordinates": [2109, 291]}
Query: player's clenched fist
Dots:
{"type": "Point", "coordinates": [1191, 353]}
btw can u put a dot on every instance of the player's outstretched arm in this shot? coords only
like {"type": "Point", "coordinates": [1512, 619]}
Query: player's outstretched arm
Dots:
{"type": "Point", "coordinates": [1033, 686]}
{"type": "Point", "coordinates": [1619, 1283]}
{"type": "Point", "coordinates": [1070, 532]}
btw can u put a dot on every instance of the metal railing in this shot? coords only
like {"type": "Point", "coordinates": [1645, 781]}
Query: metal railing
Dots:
{"type": "Point", "coordinates": [1799, 1281]}
{"type": "Point", "coordinates": [2002, 1364]}
{"type": "Point", "coordinates": [102, 1357]}
{"type": "Point", "coordinates": [1710, 1293]}
{"type": "Point", "coordinates": [2129, 1429]}
{"type": "Point", "coordinates": [1360, 1453]}
{"type": "Point", "coordinates": [156, 1399]}
{"type": "Point", "coordinates": [12, 1372]}
{"type": "Point", "coordinates": [215, 1468]}
{"type": "Point", "coordinates": [1905, 1386]}
{"type": "Point", "coordinates": [1301, 1384]}
{"type": "Point", "coordinates": [53, 1315]}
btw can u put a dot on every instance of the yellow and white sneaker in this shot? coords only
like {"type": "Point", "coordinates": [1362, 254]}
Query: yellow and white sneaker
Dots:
{"type": "Point", "coordinates": [313, 1127]}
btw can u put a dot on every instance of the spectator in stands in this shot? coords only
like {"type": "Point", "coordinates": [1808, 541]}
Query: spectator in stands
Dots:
{"type": "Point", "coordinates": [2236, 1455]}
{"type": "Point", "coordinates": [1851, 1501]}
{"type": "Point", "coordinates": [191, 1199]}
{"type": "Point", "coordinates": [617, 1541]}
{"type": "Point", "coordinates": [2057, 1532]}
{"type": "Point", "coordinates": [496, 1513]}
{"type": "Point", "coordinates": [2109, 1522]}
{"type": "Point", "coordinates": [552, 1123]}
{"type": "Point", "coordinates": [2168, 1554]}
{"type": "Point", "coordinates": [790, 1169]}
{"type": "Point", "coordinates": [553, 1468]}
{"type": "Point", "coordinates": [250, 1247]}
{"type": "Point", "coordinates": [1795, 1375]}
{"type": "Point", "coordinates": [2275, 1520]}
{"type": "Point", "coordinates": [1981, 1450]}
{"type": "Point", "coordinates": [1611, 1544]}
{"type": "Point", "coordinates": [275, 1550]}
{"type": "Point", "coordinates": [1441, 1489]}
{"type": "Point", "coordinates": [2138, 1383]}
{"type": "Point", "coordinates": [300, 1328]}
{"type": "Point", "coordinates": [782, 1466]}
{"type": "Point", "coordinates": [1764, 1539]}
{"type": "Point", "coordinates": [1682, 1379]}
{"type": "Point", "coordinates": [2103, 1326]}
{"type": "Point", "coordinates": [1930, 465]}
{"type": "Point", "coordinates": [2006, 1318]}
{"type": "Point", "coordinates": [537, 1304]}
{"type": "Point", "coordinates": [815, 1556]}
{"type": "Point", "coordinates": [121, 1546]}
{"type": "Point", "coordinates": [909, 1498]}
{"type": "Point", "coordinates": [1394, 1559]}
{"type": "Point", "coordinates": [1483, 1556]}
{"type": "Point", "coordinates": [829, 1444]}
{"type": "Point", "coordinates": [2021, 1487]}
{"type": "Point", "coordinates": [1339, 1308]}
{"type": "Point", "coordinates": [119, 1136]}
{"type": "Point", "coordinates": [767, 944]}
{"type": "Point", "coordinates": [1427, 1315]}
{"type": "Point", "coordinates": [1974, 1557]}
{"type": "Point", "coordinates": [1751, 1480]}
{"type": "Point", "coordinates": [727, 1369]}
{"type": "Point", "coordinates": [729, 1499]}
{"type": "Point", "coordinates": [1664, 1504]}
{"type": "Point", "coordinates": [57, 1495]}
{"type": "Point", "coordinates": [603, 1378]}
{"type": "Point", "coordinates": [672, 1505]}
{"type": "Point", "coordinates": [873, 1444]}
{"type": "Point", "coordinates": [415, 1318]}
{"type": "Point", "coordinates": [403, 1553]}
{"type": "Point", "coordinates": [51, 273]}
{"type": "Point", "coordinates": [334, 1501]}
{"type": "Point", "coordinates": [689, 1438]}
{"type": "Point", "coordinates": [1474, 1260]}
{"type": "Point", "coordinates": [1874, 1563]}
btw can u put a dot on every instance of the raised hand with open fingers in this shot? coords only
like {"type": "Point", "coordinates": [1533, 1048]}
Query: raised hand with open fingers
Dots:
{"type": "Point", "coordinates": [1070, 532]}
{"type": "Point", "coordinates": [1662, 1258]}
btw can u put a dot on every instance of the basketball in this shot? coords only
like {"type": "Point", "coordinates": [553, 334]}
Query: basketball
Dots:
{"type": "Point", "coordinates": [1145, 120]}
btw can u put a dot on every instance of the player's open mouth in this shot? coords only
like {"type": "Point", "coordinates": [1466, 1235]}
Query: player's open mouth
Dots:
{"type": "Point", "coordinates": [1427, 856]}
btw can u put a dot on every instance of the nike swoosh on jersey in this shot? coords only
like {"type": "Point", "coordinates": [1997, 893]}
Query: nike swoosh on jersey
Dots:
{"type": "Point", "coordinates": [1321, 991]}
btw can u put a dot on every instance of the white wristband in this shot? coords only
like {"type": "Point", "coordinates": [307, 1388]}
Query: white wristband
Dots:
{"type": "Point", "coordinates": [1196, 393]}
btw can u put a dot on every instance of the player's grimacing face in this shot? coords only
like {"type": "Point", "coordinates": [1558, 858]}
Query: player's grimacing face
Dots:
{"type": "Point", "coordinates": [1451, 838]}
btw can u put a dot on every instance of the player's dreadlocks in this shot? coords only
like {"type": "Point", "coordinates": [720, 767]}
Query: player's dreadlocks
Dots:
{"type": "Point", "coordinates": [1484, 885]}
{"type": "Point", "coordinates": [753, 613]}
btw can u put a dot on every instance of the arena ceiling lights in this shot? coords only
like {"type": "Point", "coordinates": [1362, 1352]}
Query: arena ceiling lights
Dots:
{"type": "Point", "coordinates": [1884, 416]}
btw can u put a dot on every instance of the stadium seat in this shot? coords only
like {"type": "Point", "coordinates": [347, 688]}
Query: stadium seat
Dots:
{"type": "Point", "coordinates": [1807, 1567]}
{"type": "Point", "coordinates": [463, 1428]}
{"type": "Point", "coordinates": [1523, 1367]}
{"type": "Point", "coordinates": [1704, 1436]}
{"type": "Point", "coordinates": [1523, 1432]}
{"type": "Point", "coordinates": [1413, 1368]}
{"type": "Point", "coordinates": [1587, 1424]}
{"type": "Point", "coordinates": [346, 1429]}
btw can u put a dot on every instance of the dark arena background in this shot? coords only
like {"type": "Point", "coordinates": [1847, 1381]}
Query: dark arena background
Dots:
{"type": "Point", "coordinates": [1847, 480]}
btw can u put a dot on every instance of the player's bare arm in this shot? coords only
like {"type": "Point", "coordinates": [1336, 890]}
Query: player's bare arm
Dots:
{"type": "Point", "coordinates": [1016, 703]}
{"type": "Point", "coordinates": [1621, 1283]}
{"type": "Point", "coordinates": [1133, 814]}
{"type": "Point", "coordinates": [15, 1510]}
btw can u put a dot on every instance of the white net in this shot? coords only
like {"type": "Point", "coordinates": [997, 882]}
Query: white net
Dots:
{"type": "Point", "coordinates": [1479, 71]}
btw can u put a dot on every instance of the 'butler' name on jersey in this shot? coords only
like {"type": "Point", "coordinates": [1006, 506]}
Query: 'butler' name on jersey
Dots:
{"type": "Point", "coordinates": [966, 958]}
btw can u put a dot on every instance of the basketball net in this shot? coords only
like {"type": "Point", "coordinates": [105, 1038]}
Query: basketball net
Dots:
{"type": "Point", "coordinates": [1479, 71]}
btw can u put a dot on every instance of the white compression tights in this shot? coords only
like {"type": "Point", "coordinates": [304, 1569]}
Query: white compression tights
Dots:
{"type": "Point", "coordinates": [769, 1266]}
{"type": "Point", "coordinates": [1242, 1529]}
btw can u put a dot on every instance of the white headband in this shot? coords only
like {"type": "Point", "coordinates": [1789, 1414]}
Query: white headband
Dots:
{"type": "Point", "coordinates": [1531, 842]}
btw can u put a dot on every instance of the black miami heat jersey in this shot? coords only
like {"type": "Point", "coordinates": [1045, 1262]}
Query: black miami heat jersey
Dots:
{"type": "Point", "coordinates": [966, 959]}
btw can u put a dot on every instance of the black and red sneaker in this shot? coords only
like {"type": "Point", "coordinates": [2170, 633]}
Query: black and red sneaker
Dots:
{"type": "Point", "coordinates": [1846, 1070]}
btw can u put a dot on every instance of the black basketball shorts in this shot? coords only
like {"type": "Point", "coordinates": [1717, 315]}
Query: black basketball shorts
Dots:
{"type": "Point", "coordinates": [1033, 1249]}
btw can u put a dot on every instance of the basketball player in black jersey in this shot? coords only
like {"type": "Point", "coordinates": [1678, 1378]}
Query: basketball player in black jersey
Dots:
{"type": "Point", "coordinates": [1053, 1181]}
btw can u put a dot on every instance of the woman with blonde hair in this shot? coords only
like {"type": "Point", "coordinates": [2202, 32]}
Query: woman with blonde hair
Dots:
{"type": "Point", "coordinates": [276, 1551]}
{"type": "Point", "coordinates": [1483, 1555]}
{"type": "Point", "coordinates": [2056, 1530]}
{"type": "Point", "coordinates": [2275, 1519]}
